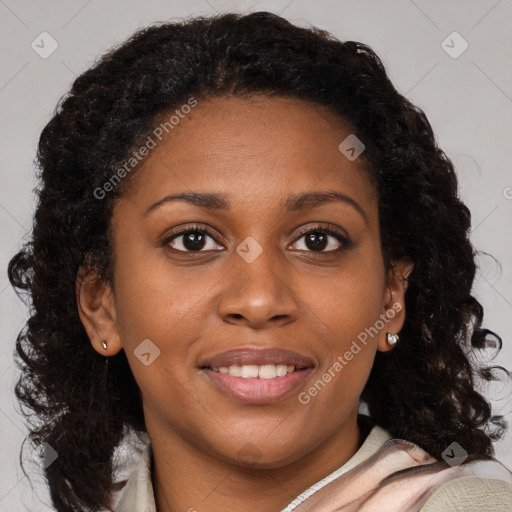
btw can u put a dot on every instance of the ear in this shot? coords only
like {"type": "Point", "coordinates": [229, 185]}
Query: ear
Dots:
{"type": "Point", "coordinates": [96, 308]}
{"type": "Point", "coordinates": [394, 301]}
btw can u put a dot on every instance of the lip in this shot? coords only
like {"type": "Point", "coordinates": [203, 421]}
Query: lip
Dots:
{"type": "Point", "coordinates": [258, 356]}
{"type": "Point", "coordinates": [257, 391]}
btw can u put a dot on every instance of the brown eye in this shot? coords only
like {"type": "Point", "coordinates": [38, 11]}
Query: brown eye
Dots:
{"type": "Point", "coordinates": [192, 240]}
{"type": "Point", "coordinates": [323, 239]}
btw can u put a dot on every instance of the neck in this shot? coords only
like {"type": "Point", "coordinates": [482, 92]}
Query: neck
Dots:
{"type": "Point", "coordinates": [186, 478]}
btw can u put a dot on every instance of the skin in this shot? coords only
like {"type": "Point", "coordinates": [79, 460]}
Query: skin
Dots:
{"type": "Point", "coordinates": [256, 152]}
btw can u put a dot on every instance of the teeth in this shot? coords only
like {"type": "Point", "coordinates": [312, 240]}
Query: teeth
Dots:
{"type": "Point", "coordinates": [251, 371]}
{"type": "Point", "coordinates": [234, 370]}
{"type": "Point", "coordinates": [267, 371]}
{"type": "Point", "coordinates": [281, 370]}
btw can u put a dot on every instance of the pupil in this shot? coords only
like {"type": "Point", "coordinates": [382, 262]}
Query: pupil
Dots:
{"type": "Point", "coordinates": [316, 241]}
{"type": "Point", "coordinates": [193, 241]}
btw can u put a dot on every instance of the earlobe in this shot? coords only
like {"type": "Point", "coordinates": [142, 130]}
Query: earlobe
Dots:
{"type": "Point", "coordinates": [97, 312]}
{"type": "Point", "coordinates": [394, 306]}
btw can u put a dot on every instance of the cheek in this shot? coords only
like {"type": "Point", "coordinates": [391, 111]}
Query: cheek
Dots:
{"type": "Point", "coordinates": [159, 301]}
{"type": "Point", "coordinates": [145, 298]}
{"type": "Point", "coordinates": [146, 301]}
{"type": "Point", "coordinates": [153, 303]}
{"type": "Point", "coordinates": [348, 300]}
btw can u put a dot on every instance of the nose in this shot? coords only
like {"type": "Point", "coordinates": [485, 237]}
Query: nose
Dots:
{"type": "Point", "coordinates": [258, 294]}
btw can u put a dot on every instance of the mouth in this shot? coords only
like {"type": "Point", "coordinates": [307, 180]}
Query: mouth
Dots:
{"type": "Point", "coordinates": [253, 371]}
{"type": "Point", "coordinates": [257, 376]}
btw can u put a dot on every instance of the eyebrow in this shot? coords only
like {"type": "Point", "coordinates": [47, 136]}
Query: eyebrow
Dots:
{"type": "Point", "coordinates": [293, 203]}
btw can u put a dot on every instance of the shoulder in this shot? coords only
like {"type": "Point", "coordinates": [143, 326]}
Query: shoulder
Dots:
{"type": "Point", "coordinates": [471, 493]}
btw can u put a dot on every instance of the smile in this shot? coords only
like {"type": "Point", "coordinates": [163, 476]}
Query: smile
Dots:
{"type": "Point", "coordinates": [257, 375]}
{"type": "Point", "coordinates": [251, 371]}
{"type": "Point", "coordinates": [251, 388]}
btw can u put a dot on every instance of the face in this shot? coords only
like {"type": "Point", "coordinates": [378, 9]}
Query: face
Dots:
{"type": "Point", "coordinates": [275, 246]}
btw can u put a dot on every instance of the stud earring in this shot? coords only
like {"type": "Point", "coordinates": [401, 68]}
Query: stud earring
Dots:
{"type": "Point", "coordinates": [392, 339]}
{"type": "Point", "coordinates": [104, 344]}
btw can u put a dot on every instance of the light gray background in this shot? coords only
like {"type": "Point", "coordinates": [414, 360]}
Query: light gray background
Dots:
{"type": "Point", "coordinates": [468, 101]}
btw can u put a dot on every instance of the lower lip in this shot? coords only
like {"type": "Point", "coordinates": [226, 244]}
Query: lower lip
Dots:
{"type": "Point", "coordinates": [256, 390]}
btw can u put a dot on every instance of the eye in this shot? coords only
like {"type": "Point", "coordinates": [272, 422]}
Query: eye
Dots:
{"type": "Point", "coordinates": [192, 239]}
{"type": "Point", "coordinates": [323, 239]}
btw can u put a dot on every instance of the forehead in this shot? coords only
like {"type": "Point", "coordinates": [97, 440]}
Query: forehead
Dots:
{"type": "Point", "coordinates": [255, 149]}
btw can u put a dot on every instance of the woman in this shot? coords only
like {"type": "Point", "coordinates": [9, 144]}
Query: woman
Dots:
{"type": "Point", "coordinates": [260, 236]}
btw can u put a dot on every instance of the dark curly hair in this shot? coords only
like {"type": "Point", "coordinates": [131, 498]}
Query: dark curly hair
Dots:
{"type": "Point", "coordinates": [423, 391]}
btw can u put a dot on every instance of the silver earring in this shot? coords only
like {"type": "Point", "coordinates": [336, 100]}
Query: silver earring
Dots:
{"type": "Point", "coordinates": [392, 339]}
{"type": "Point", "coordinates": [104, 344]}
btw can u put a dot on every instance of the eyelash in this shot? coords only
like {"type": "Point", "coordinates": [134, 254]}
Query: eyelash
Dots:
{"type": "Point", "coordinates": [345, 242]}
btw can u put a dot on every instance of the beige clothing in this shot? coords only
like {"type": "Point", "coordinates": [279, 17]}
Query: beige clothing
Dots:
{"type": "Point", "coordinates": [427, 485]}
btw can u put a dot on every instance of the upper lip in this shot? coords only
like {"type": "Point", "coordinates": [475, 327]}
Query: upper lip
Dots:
{"type": "Point", "coordinates": [258, 356]}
